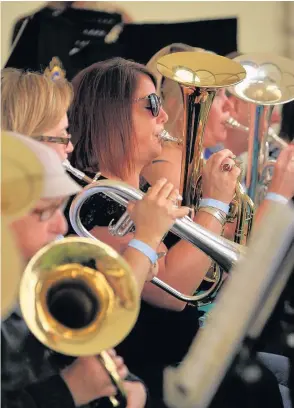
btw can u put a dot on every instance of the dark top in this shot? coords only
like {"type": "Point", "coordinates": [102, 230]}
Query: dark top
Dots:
{"type": "Point", "coordinates": [27, 378]}
{"type": "Point", "coordinates": [160, 337]}
{"type": "Point", "coordinates": [29, 371]}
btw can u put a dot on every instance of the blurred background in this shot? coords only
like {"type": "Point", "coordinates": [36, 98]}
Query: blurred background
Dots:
{"type": "Point", "coordinates": [80, 33]}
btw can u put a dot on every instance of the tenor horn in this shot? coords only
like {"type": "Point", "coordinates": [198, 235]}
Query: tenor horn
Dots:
{"type": "Point", "coordinates": [79, 298]}
{"type": "Point", "coordinates": [269, 82]}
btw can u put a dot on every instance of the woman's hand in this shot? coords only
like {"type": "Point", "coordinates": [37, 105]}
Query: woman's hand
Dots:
{"type": "Point", "coordinates": [218, 183]}
{"type": "Point", "coordinates": [87, 379]}
{"type": "Point", "coordinates": [283, 176]}
{"type": "Point", "coordinates": [156, 213]}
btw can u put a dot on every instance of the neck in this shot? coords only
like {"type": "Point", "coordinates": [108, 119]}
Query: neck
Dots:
{"type": "Point", "coordinates": [132, 179]}
{"type": "Point", "coordinates": [236, 144]}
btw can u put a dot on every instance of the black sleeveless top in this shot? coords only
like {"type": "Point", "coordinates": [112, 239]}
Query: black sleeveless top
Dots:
{"type": "Point", "coordinates": [160, 337]}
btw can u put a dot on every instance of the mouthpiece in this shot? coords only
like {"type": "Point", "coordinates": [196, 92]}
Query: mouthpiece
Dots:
{"type": "Point", "coordinates": [272, 135]}
{"type": "Point", "coordinates": [166, 137]}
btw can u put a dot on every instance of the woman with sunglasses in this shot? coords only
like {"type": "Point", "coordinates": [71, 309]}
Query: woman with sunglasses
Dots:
{"type": "Point", "coordinates": [116, 120]}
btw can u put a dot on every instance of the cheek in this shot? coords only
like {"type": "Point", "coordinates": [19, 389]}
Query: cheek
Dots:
{"type": "Point", "coordinates": [30, 236]}
{"type": "Point", "coordinates": [58, 148]}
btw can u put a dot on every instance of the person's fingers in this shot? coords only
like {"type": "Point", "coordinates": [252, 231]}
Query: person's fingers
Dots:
{"type": "Point", "coordinates": [111, 352]}
{"type": "Point", "coordinates": [130, 207]}
{"type": "Point", "coordinates": [165, 191]}
{"type": "Point", "coordinates": [227, 164]}
{"type": "Point", "coordinates": [153, 191]}
{"type": "Point", "coordinates": [235, 172]}
{"type": "Point", "coordinates": [123, 371]}
{"type": "Point", "coordinates": [217, 158]}
{"type": "Point", "coordinates": [181, 212]}
{"type": "Point", "coordinates": [175, 197]}
{"type": "Point", "coordinates": [119, 361]}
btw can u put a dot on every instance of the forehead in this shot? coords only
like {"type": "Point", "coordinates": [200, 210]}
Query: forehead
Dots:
{"type": "Point", "coordinates": [63, 124]}
{"type": "Point", "coordinates": [145, 86]}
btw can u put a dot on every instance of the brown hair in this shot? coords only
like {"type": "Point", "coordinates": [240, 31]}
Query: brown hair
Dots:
{"type": "Point", "coordinates": [101, 116]}
{"type": "Point", "coordinates": [32, 103]}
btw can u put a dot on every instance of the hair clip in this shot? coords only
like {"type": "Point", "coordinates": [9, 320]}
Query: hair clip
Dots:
{"type": "Point", "coordinates": [55, 69]}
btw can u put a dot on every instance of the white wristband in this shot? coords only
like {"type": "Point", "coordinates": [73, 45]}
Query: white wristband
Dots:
{"type": "Point", "coordinates": [219, 205]}
{"type": "Point", "coordinates": [276, 197]}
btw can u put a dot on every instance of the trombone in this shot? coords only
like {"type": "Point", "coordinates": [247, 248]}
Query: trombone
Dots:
{"type": "Point", "coordinates": [79, 297]}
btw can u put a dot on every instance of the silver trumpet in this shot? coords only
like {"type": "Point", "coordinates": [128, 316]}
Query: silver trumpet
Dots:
{"type": "Point", "coordinates": [222, 251]}
{"type": "Point", "coordinates": [272, 136]}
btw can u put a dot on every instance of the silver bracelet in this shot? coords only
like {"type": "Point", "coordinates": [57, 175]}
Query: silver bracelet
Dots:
{"type": "Point", "coordinates": [218, 214]}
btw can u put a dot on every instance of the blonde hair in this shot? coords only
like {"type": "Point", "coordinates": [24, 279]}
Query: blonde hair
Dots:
{"type": "Point", "coordinates": [32, 103]}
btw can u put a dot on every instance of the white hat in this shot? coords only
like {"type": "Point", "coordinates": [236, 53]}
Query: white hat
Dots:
{"type": "Point", "coordinates": [56, 182]}
{"type": "Point", "coordinates": [29, 171]}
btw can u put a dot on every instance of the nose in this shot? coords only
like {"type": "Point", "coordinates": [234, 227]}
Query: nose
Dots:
{"type": "Point", "coordinates": [228, 105]}
{"type": "Point", "coordinates": [69, 148]}
{"type": "Point", "coordinates": [163, 116]}
{"type": "Point", "coordinates": [58, 224]}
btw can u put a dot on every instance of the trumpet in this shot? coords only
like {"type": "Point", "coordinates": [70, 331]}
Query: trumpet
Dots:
{"type": "Point", "coordinates": [79, 297]}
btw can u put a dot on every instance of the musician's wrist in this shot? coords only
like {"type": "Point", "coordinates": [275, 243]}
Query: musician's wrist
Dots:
{"type": "Point", "coordinates": [149, 239]}
{"type": "Point", "coordinates": [280, 190]}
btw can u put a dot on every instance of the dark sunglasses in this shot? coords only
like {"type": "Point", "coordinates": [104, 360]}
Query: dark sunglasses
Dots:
{"type": "Point", "coordinates": [155, 103]}
{"type": "Point", "coordinates": [54, 139]}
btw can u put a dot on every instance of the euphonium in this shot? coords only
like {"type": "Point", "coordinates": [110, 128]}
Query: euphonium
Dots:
{"type": "Point", "coordinates": [200, 75]}
{"type": "Point", "coordinates": [79, 297]}
{"type": "Point", "coordinates": [269, 82]}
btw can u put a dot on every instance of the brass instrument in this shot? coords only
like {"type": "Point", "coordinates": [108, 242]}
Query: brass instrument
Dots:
{"type": "Point", "coordinates": [269, 82]}
{"type": "Point", "coordinates": [200, 75]}
{"type": "Point", "coordinates": [79, 297]}
{"type": "Point", "coordinates": [272, 136]}
{"type": "Point", "coordinates": [222, 251]}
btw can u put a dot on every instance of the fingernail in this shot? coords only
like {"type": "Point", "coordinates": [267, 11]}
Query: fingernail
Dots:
{"type": "Point", "coordinates": [163, 180]}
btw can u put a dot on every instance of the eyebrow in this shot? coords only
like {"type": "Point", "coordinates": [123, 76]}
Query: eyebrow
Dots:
{"type": "Point", "coordinates": [51, 204]}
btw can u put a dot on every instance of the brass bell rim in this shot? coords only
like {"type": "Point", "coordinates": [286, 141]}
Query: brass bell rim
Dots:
{"type": "Point", "coordinates": [216, 71]}
{"type": "Point", "coordinates": [118, 321]}
{"type": "Point", "coordinates": [282, 90]}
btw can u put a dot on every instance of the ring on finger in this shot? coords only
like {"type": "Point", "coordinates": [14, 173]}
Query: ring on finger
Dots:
{"type": "Point", "coordinates": [227, 167]}
{"type": "Point", "coordinates": [175, 200]}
